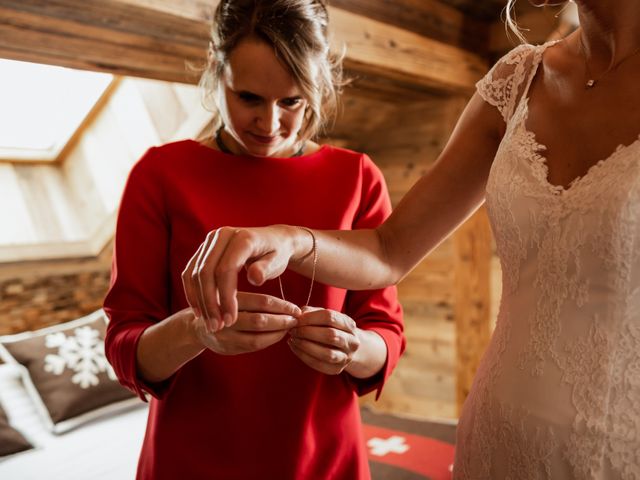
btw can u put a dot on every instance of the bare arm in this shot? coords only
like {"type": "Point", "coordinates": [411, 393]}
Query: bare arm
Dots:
{"type": "Point", "coordinates": [434, 207]}
{"type": "Point", "coordinates": [360, 259]}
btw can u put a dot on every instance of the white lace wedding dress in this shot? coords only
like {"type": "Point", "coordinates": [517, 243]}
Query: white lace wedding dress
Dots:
{"type": "Point", "coordinates": [557, 395]}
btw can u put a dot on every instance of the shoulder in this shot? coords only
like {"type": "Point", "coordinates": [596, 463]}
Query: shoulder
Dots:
{"type": "Point", "coordinates": [347, 157]}
{"type": "Point", "coordinates": [357, 165]}
{"type": "Point", "coordinates": [514, 61]}
{"type": "Point", "coordinates": [160, 159]}
{"type": "Point", "coordinates": [505, 82]}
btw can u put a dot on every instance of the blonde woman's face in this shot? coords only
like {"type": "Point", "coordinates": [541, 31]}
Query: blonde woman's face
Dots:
{"type": "Point", "coordinates": [260, 102]}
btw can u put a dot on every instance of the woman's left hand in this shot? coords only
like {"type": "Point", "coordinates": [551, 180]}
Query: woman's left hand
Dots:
{"type": "Point", "coordinates": [325, 340]}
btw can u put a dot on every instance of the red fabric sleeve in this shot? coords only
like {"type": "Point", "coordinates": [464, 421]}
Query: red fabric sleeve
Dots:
{"type": "Point", "coordinates": [376, 310]}
{"type": "Point", "coordinates": [139, 293]}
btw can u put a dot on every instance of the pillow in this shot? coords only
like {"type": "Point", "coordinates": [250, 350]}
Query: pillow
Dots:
{"type": "Point", "coordinates": [67, 374]}
{"type": "Point", "coordinates": [11, 440]}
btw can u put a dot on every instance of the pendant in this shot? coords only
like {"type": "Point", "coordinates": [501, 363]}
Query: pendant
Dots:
{"type": "Point", "coordinates": [591, 83]}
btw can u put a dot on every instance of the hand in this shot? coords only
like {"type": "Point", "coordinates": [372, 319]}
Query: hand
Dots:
{"type": "Point", "coordinates": [262, 321]}
{"type": "Point", "coordinates": [212, 272]}
{"type": "Point", "coordinates": [325, 340]}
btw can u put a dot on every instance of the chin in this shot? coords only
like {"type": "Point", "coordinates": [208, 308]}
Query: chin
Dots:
{"type": "Point", "coordinates": [261, 150]}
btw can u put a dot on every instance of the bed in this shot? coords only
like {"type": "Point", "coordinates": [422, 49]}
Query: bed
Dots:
{"type": "Point", "coordinates": [78, 423]}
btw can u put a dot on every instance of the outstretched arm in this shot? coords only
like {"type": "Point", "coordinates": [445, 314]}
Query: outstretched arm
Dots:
{"type": "Point", "coordinates": [360, 259]}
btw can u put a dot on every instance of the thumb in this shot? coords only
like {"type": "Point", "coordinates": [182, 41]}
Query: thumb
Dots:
{"type": "Point", "coordinates": [265, 268]}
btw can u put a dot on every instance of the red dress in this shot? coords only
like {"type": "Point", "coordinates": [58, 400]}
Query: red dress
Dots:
{"type": "Point", "coordinates": [262, 415]}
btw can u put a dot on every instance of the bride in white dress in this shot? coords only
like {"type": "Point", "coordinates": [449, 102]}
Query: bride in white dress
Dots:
{"type": "Point", "coordinates": [551, 140]}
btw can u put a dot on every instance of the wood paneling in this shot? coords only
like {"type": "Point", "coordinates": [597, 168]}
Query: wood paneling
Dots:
{"type": "Point", "coordinates": [472, 298]}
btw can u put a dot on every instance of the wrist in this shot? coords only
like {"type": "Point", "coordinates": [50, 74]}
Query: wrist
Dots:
{"type": "Point", "coordinates": [302, 243]}
{"type": "Point", "coordinates": [370, 356]}
{"type": "Point", "coordinates": [188, 333]}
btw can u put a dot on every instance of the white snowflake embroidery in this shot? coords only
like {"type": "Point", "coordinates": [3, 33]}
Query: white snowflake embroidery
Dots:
{"type": "Point", "coordinates": [83, 353]}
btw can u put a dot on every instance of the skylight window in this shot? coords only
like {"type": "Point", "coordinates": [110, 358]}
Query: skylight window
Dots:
{"type": "Point", "coordinates": [41, 107]}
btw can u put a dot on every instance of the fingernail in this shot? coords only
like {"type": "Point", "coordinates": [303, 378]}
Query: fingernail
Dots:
{"type": "Point", "coordinates": [228, 320]}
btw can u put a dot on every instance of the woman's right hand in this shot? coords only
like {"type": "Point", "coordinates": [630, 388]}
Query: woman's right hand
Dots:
{"type": "Point", "coordinates": [211, 276]}
{"type": "Point", "coordinates": [262, 321]}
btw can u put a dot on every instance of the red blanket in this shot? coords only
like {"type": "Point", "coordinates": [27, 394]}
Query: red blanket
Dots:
{"type": "Point", "coordinates": [406, 449]}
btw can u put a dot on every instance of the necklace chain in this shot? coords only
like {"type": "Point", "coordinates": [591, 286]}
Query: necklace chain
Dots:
{"type": "Point", "coordinates": [592, 81]}
{"type": "Point", "coordinates": [314, 252]}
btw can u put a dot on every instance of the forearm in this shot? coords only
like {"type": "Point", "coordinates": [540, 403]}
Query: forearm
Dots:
{"type": "Point", "coordinates": [351, 259]}
{"type": "Point", "coordinates": [166, 346]}
{"type": "Point", "coordinates": [370, 356]}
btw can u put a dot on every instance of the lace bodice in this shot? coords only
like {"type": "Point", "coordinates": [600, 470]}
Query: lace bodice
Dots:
{"type": "Point", "coordinates": [558, 392]}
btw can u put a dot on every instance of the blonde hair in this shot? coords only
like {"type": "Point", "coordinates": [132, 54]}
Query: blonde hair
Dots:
{"type": "Point", "coordinates": [511, 25]}
{"type": "Point", "coordinates": [298, 32]}
{"type": "Point", "coordinates": [510, 21]}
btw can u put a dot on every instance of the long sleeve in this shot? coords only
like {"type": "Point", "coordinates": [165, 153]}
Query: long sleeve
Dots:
{"type": "Point", "coordinates": [139, 293]}
{"type": "Point", "coordinates": [376, 310]}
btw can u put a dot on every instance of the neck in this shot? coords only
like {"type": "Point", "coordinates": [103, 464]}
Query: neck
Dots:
{"type": "Point", "coordinates": [610, 30]}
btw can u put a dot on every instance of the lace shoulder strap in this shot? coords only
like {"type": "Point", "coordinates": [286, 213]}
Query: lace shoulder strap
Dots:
{"type": "Point", "coordinates": [505, 83]}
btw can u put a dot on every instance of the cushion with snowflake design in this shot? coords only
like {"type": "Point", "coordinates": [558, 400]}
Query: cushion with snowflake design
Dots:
{"type": "Point", "coordinates": [66, 372]}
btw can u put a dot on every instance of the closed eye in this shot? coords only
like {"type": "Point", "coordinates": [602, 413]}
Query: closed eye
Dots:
{"type": "Point", "coordinates": [249, 97]}
{"type": "Point", "coordinates": [291, 102]}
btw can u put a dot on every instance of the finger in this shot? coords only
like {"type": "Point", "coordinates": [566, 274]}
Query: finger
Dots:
{"type": "Point", "coordinates": [330, 337]}
{"type": "Point", "coordinates": [264, 322]}
{"type": "Point", "coordinates": [311, 361]}
{"type": "Point", "coordinates": [219, 241]}
{"type": "Point", "coordinates": [257, 302]}
{"type": "Point", "coordinates": [264, 268]}
{"type": "Point", "coordinates": [327, 318]}
{"type": "Point", "coordinates": [252, 342]}
{"type": "Point", "coordinates": [190, 291]}
{"type": "Point", "coordinates": [247, 247]}
{"type": "Point", "coordinates": [200, 275]}
{"type": "Point", "coordinates": [321, 353]}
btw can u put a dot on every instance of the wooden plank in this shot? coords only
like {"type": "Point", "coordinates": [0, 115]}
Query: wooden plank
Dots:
{"type": "Point", "coordinates": [154, 40]}
{"type": "Point", "coordinates": [472, 298]}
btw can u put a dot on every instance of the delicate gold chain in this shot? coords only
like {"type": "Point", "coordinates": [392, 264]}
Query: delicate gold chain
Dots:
{"type": "Point", "coordinates": [591, 82]}
{"type": "Point", "coordinates": [314, 252]}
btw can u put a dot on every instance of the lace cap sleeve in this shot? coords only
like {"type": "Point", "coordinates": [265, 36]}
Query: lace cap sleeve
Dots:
{"type": "Point", "coordinates": [503, 85]}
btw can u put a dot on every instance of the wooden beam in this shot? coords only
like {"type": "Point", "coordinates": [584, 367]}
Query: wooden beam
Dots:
{"type": "Point", "coordinates": [109, 36]}
{"type": "Point", "coordinates": [379, 49]}
{"type": "Point", "coordinates": [429, 18]}
{"type": "Point", "coordinates": [158, 38]}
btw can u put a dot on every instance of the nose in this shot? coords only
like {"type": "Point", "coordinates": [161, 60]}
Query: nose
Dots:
{"type": "Point", "coordinates": [269, 119]}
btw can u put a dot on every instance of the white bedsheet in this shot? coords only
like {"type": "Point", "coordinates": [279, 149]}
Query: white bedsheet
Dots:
{"type": "Point", "coordinates": [105, 449]}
